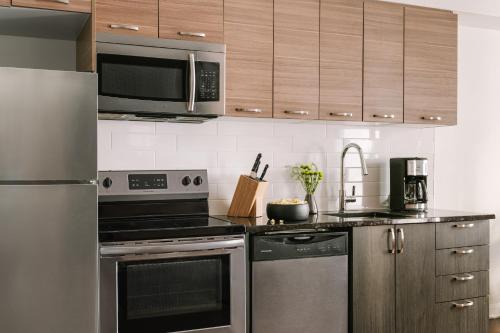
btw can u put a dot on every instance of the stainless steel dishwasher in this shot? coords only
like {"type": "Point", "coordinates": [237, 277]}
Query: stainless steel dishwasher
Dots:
{"type": "Point", "coordinates": [300, 282]}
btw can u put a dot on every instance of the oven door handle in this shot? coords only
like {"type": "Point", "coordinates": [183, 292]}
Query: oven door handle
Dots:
{"type": "Point", "coordinates": [123, 250]}
{"type": "Point", "coordinates": [192, 83]}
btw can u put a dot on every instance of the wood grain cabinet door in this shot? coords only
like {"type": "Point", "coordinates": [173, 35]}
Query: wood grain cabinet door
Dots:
{"type": "Point", "coordinates": [373, 307]}
{"type": "Point", "coordinates": [296, 59]}
{"type": "Point", "coordinates": [383, 62]}
{"type": "Point", "coordinates": [196, 20]}
{"type": "Point", "coordinates": [4, 3]}
{"type": "Point", "coordinates": [128, 17]}
{"type": "Point", "coordinates": [341, 44]}
{"type": "Point", "coordinates": [83, 6]}
{"type": "Point", "coordinates": [415, 278]}
{"type": "Point", "coordinates": [248, 34]}
{"type": "Point", "coordinates": [430, 75]}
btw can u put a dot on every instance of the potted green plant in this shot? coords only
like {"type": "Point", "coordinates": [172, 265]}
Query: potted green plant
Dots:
{"type": "Point", "coordinates": [309, 176]}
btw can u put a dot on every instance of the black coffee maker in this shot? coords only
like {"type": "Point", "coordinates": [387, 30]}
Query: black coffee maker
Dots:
{"type": "Point", "coordinates": [409, 184]}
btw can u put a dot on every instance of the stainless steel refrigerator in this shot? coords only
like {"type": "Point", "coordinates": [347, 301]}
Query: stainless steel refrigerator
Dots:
{"type": "Point", "coordinates": [48, 201]}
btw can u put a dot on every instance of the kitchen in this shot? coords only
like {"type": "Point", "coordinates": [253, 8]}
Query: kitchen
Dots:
{"type": "Point", "coordinates": [297, 82]}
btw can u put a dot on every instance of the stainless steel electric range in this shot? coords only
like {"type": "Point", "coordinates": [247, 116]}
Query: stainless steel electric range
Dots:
{"type": "Point", "coordinates": [166, 266]}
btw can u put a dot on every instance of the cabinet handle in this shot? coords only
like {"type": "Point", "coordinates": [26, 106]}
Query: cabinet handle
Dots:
{"type": "Point", "coordinates": [192, 34]}
{"type": "Point", "coordinates": [341, 114]}
{"type": "Point", "coordinates": [468, 251]}
{"type": "Point", "coordinates": [124, 26]}
{"type": "Point", "coordinates": [433, 118]}
{"type": "Point", "coordinates": [192, 82]}
{"type": "Point", "coordinates": [385, 116]}
{"type": "Point", "coordinates": [248, 110]}
{"type": "Point", "coordinates": [464, 226]}
{"type": "Point", "coordinates": [299, 112]}
{"type": "Point", "coordinates": [465, 277]}
{"type": "Point", "coordinates": [66, 2]}
{"type": "Point", "coordinates": [391, 241]}
{"type": "Point", "coordinates": [401, 238]}
{"type": "Point", "coordinates": [466, 304]}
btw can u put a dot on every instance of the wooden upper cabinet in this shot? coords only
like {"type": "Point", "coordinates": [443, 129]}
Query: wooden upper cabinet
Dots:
{"type": "Point", "coordinates": [430, 70]}
{"type": "Point", "coordinates": [5, 3]}
{"type": "Point", "coordinates": [383, 62]}
{"type": "Point", "coordinates": [129, 17]}
{"type": "Point", "coordinates": [197, 20]}
{"type": "Point", "coordinates": [248, 34]}
{"type": "Point", "coordinates": [341, 44]}
{"type": "Point", "coordinates": [296, 59]}
{"type": "Point", "coordinates": [83, 6]}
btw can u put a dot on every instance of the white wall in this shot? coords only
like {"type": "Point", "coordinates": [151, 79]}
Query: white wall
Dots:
{"type": "Point", "coordinates": [467, 163]}
{"type": "Point", "coordinates": [228, 146]}
{"type": "Point", "coordinates": [481, 7]}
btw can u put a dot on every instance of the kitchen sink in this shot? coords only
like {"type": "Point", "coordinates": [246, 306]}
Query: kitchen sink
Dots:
{"type": "Point", "coordinates": [368, 214]}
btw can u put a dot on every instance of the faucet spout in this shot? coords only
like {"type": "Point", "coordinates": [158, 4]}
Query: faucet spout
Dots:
{"type": "Point", "coordinates": [342, 197]}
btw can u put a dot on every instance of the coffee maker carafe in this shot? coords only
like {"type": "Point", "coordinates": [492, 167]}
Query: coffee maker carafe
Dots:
{"type": "Point", "coordinates": [409, 184]}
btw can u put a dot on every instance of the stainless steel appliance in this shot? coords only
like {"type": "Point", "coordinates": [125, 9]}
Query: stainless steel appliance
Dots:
{"type": "Point", "coordinates": [160, 80]}
{"type": "Point", "coordinates": [409, 184]}
{"type": "Point", "coordinates": [300, 282]}
{"type": "Point", "coordinates": [48, 202]}
{"type": "Point", "coordinates": [166, 266]}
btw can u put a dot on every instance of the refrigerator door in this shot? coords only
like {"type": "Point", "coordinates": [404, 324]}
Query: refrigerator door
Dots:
{"type": "Point", "coordinates": [48, 129]}
{"type": "Point", "coordinates": [48, 259]}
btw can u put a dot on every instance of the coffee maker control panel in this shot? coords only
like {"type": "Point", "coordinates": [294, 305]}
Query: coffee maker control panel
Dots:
{"type": "Point", "coordinates": [417, 167]}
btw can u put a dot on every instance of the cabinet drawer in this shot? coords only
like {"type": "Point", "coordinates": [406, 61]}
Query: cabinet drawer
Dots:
{"type": "Point", "coordinates": [472, 318]}
{"type": "Point", "coordinates": [458, 234]}
{"type": "Point", "coordinates": [462, 260]}
{"type": "Point", "coordinates": [84, 6]}
{"type": "Point", "coordinates": [460, 286]}
{"type": "Point", "coordinates": [127, 17]}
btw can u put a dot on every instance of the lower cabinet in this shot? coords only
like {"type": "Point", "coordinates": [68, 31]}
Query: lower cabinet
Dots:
{"type": "Point", "coordinates": [394, 279]}
{"type": "Point", "coordinates": [467, 316]}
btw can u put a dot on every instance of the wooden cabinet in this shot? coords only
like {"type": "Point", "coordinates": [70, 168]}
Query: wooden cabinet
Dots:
{"type": "Point", "coordinates": [341, 69]}
{"type": "Point", "coordinates": [248, 34]}
{"type": "Point", "coordinates": [192, 20]}
{"type": "Point", "coordinates": [430, 73]}
{"type": "Point", "coordinates": [84, 6]}
{"type": "Point", "coordinates": [296, 59]}
{"type": "Point", "coordinates": [472, 318]}
{"type": "Point", "coordinates": [394, 279]}
{"type": "Point", "coordinates": [129, 17]}
{"type": "Point", "coordinates": [5, 3]}
{"type": "Point", "coordinates": [383, 62]}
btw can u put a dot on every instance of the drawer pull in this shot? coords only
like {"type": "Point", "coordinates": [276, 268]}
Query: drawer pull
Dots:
{"type": "Point", "coordinates": [66, 2]}
{"type": "Point", "coordinates": [466, 304]}
{"type": "Point", "coordinates": [385, 116]}
{"type": "Point", "coordinates": [299, 112]}
{"type": "Point", "coordinates": [192, 34]}
{"type": "Point", "coordinates": [433, 118]}
{"type": "Point", "coordinates": [341, 114]}
{"type": "Point", "coordinates": [124, 26]}
{"type": "Point", "coordinates": [465, 277]}
{"type": "Point", "coordinates": [468, 251]}
{"type": "Point", "coordinates": [248, 110]}
{"type": "Point", "coordinates": [464, 226]}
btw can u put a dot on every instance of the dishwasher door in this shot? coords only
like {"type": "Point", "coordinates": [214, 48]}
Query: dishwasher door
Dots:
{"type": "Point", "coordinates": [303, 288]}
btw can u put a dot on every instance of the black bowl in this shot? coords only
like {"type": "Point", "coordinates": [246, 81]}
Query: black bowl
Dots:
{"type": "Point", "coordinates": [288, 213]}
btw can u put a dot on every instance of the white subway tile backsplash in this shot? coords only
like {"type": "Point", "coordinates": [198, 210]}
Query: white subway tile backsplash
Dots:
{"type": "Point", "coordinates": [227, 147]}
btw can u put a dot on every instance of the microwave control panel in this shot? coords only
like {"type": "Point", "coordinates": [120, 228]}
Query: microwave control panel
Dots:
{"type": "Point", "coordinates": [208, 77]}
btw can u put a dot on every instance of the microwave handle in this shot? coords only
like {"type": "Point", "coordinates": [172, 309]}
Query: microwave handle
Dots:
{"type": "Point", "coordinates": [192, 82]}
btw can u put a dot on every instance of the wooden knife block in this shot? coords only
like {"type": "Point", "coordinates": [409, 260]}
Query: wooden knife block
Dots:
{"type": "Point", "coordinates": [248, 199]}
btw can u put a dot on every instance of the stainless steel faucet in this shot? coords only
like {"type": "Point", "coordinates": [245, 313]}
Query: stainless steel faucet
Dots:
{"type": "Point", "coordinates": [342, 197]}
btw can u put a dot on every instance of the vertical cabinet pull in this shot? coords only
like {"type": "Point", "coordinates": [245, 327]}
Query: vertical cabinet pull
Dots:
{"type": "Point", "coordinates": [401, 240]}
{"type": "Point", "coordinates": [391, 241]}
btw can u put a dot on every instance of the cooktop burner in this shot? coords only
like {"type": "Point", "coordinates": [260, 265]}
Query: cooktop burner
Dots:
{"type": "Point", "coordinates": [143, 205]}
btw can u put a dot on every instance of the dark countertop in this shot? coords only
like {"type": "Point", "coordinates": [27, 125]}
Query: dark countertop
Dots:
{"type": "Point", "coordinates": [320, 221]}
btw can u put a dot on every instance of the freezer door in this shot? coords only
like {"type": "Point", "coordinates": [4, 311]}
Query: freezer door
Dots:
{"type": "Point", "coordinates": [48, 127]}
{"type": "Point", "coordinates": [48, 259]}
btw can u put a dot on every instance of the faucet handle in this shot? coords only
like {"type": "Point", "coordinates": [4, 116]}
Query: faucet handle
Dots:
{"type": "Point", "coordinates": [352, 198]}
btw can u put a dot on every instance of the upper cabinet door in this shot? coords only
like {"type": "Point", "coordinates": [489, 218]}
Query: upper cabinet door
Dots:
{"type": "Point", "coordinates": [430, 92]}
{"type": "Point", "coordinates": [5, 3]}
{"type": "Point", "coordinates": [296, 59]}
{"type": "Point", "coordinates": [129, 17]}
{"type": "Point", "coordinates": [341, 71]}
{"type": "Point", "coordinates": [383, 62]}
{"type": "Point", "coordinates": [195, 20]}
{"type": "Point", "coordinates": [248, 34]}
{"type": "Point", "coordinates": [83, 6]}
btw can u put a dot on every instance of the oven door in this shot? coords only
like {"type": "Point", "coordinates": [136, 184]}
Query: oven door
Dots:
{"type": "Point", "coordinates": [174, 287]}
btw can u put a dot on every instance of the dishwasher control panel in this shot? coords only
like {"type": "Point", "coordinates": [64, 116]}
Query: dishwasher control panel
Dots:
{"type": "Point", "coordinates": [299, 245]}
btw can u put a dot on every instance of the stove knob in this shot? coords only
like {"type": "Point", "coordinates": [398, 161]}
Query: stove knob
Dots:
{"type": "Point", "coordinates": [107, 182]}
{"type": "Point", "coordinates": [198, 181]}
{"type": "Point", "coordinates": [186, 181]}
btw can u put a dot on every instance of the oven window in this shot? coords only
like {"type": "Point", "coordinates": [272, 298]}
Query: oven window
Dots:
{"type": "Point", "coordinates": [174, 295]}
{"type": "Point", "coordinates": [142, 78]}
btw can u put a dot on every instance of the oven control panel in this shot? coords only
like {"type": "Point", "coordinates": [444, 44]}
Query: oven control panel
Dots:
{"type": "Point", "coordinates": [147, 181]}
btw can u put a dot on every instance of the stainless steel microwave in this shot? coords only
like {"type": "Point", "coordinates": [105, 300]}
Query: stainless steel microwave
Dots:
{"type": "Point", "coordinates": [160, 80]}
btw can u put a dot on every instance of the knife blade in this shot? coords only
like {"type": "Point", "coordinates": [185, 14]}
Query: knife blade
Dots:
{"type": "Point", "coordinates": [255, 167]}
{"type": "Point", "coordinates": [264, 173]}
